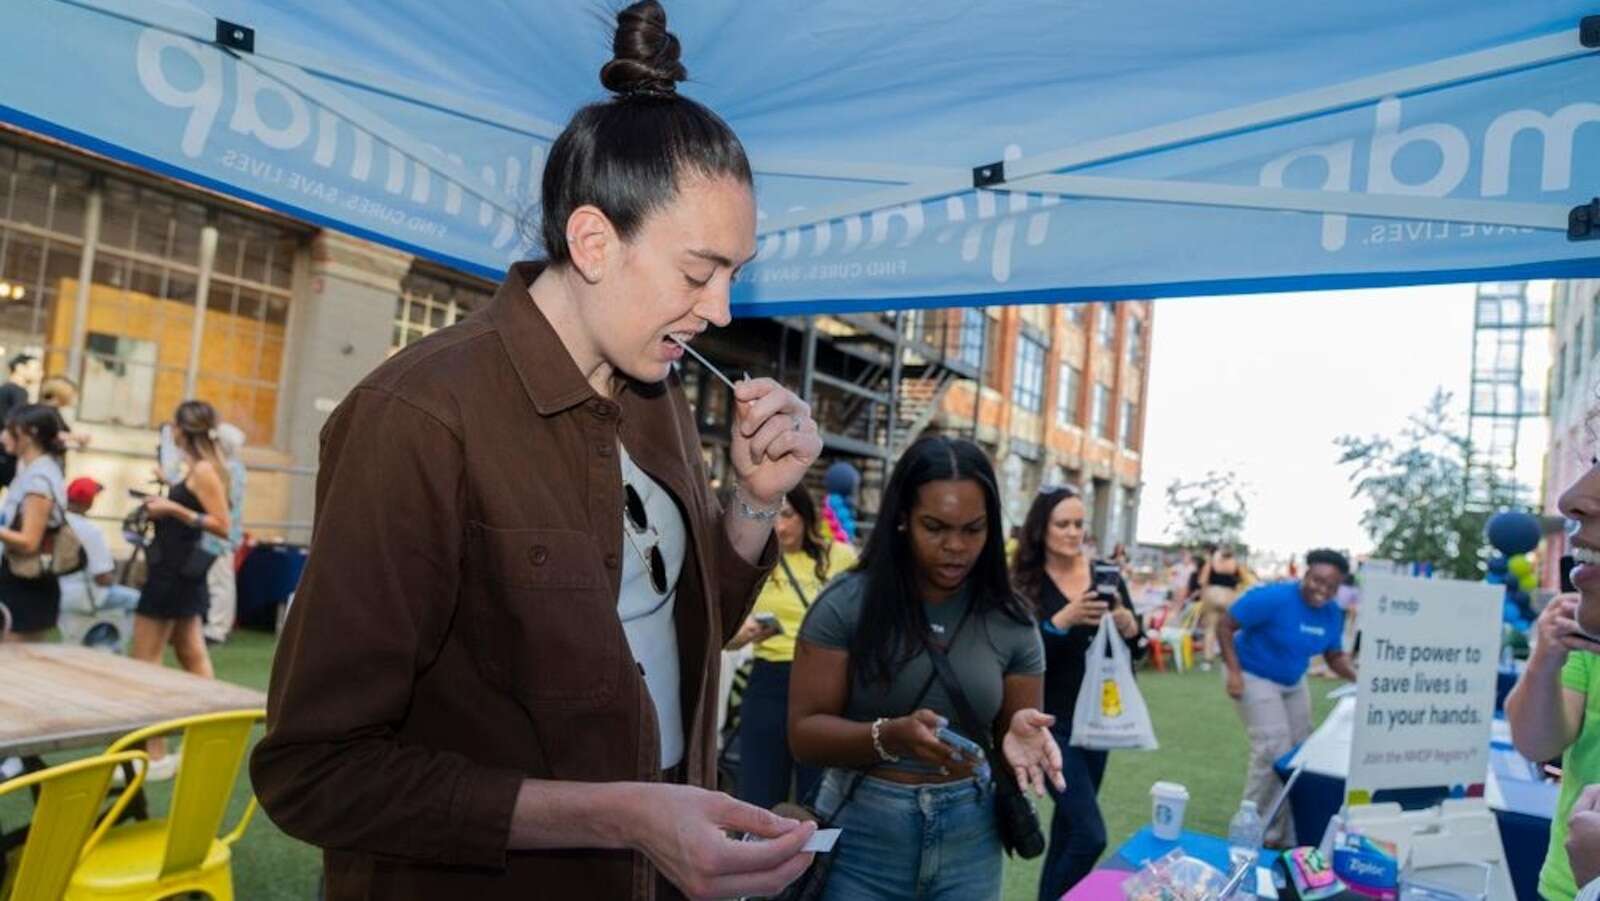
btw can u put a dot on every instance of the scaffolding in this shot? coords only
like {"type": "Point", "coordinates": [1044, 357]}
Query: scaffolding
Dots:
{"type": "Point", "coordinates": [1503, 392]}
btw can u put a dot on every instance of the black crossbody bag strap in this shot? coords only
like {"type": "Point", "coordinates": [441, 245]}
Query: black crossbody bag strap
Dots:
{"type": "Point", "coordinates": [855, 783]}
{"type": "Point", "coordinates": [969, 718]}
{"type": "Point", "coordinates": [793, 582]}
{"type": "Point", "coordinates": [937, 656]}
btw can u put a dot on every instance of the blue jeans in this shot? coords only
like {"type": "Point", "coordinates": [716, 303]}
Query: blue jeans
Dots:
{"type": "Point", "coordinates": [1077, 830]}
{"type": "Point", "coordinates": [911, 841]}
{"type": "Point", "coordinates": [765, 765]}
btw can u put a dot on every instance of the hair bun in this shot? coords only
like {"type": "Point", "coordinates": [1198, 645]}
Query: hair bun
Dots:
{"type": "Point", "coordinates": [645, 54]}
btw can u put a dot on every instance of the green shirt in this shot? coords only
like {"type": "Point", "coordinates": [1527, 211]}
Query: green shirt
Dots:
{"type": "Point", "coordinates": [1580, 766]}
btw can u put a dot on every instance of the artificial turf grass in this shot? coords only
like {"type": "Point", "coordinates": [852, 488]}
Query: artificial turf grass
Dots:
{"type": "Point", "coordinates": [1202, 746]}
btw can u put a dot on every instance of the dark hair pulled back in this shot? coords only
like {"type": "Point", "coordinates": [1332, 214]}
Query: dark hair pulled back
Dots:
{"type": "Point", "coordinates": [43, 425]}
{"type": "Point", "coordinates": [627, 155]}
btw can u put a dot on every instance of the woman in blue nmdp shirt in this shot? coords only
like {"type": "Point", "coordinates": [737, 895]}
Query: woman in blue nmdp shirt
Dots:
{"type": "Point", "coordinates": [1268, 636]}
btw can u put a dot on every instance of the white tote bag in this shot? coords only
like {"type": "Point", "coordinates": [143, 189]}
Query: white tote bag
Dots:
{"type": "Point", "coordinates": [1110, 713]}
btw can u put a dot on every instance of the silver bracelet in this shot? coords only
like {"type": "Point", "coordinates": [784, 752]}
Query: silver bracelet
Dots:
{"type": "Point", "coordinates": [877, 741]}
{"type": "Point", "coordinates": [760, 514]}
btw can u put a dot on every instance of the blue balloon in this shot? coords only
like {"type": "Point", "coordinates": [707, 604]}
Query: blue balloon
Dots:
{"type": "Point", "coordinates": [1498, 565]}
{"type": "Point", "coordinates": [1513, 532]}
{"type": "Point", "coordinates": [842, 478]}
{"type": "Point", "coordinates": [1494, 578]}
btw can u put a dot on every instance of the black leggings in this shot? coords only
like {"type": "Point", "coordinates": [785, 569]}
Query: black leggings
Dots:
{"type": "Point", "coordinates": [766, 767]}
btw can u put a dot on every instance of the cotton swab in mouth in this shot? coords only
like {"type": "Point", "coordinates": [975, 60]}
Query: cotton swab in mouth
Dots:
{"type": "Point", "coordinates": [704, 362]}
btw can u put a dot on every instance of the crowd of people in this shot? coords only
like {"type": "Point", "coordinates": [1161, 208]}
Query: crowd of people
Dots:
{"type": "Point", "coordinates": [511, 623]}
{"type": "Point", "coordinates": [58, 571]}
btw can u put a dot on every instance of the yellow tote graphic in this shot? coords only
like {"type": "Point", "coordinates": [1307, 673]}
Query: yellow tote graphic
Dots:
{"type": "Point", "coordinates": [1110, 699]}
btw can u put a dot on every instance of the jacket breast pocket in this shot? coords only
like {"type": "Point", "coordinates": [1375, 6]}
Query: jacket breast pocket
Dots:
{"type": "Point", "coordinates": [545, 615]}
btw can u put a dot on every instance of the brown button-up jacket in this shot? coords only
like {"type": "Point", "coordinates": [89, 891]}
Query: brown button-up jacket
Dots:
{"type": "Point", "coordinates": [456, 631]}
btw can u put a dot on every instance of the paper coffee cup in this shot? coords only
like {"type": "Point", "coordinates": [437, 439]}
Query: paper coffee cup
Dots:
{"type": "Point", "coordinates": [1168, 801]}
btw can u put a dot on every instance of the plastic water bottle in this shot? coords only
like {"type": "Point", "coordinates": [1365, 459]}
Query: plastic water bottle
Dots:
{"type": "Point", "coordinates": [1244, 836]}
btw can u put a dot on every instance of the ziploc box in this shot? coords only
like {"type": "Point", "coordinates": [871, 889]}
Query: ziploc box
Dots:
{"type": "Point", "coordinates": [1369, 867]}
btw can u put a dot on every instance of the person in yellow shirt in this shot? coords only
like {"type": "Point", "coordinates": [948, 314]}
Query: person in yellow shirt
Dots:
{"type": "Point", "coordinates": [810, 558]}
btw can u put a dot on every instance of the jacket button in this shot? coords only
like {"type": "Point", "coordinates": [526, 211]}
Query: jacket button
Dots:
{"type": "Point", "coordinates": [539, 554]}
{"type": "Point", "coordinates": [600, 409]}
{"type": "Point", "coordinates": [611, 561]}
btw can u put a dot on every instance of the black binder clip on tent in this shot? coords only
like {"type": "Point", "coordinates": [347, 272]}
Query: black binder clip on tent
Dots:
{"type": "Point", "coordinates": [1583, 222]}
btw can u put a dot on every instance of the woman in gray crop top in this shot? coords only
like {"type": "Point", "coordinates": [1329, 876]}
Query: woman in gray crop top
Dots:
{"type": "Point", "coordinates": [863, 701]}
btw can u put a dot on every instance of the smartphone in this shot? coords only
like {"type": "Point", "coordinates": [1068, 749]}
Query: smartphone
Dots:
{"type": "Point", "coordinates": [959, 742]}
{"type": "Point", "coordinates": [1106, 579]}
{"type": "Point", "coordinates": [1568, 564]}
{"type": "Point", "coordinates": [769, 621]}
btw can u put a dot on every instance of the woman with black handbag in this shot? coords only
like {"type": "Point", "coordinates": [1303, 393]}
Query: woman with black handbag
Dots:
{"type": "Point", "coordinates": [809, 558]}
{"type": "Point", "coordinates": [34, 508]}
{"type": "Point", "coordinates": [902, 665]}
{"type": "Point", "coordinates": [172, 606]}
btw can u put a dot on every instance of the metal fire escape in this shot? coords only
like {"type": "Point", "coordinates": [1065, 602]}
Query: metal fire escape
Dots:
{"type": "Point", "coordinates": [874, 380]}
{"type": "Point", "coordinates": [1503, 392]}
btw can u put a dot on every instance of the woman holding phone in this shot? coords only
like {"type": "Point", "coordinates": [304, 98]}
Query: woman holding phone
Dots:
{"type": "Point", "coordinates": [1071, 594]}
{"type": "Point", "coordinates": [810, 558]}
{"type": "Point", "coordinates": [865, 700]}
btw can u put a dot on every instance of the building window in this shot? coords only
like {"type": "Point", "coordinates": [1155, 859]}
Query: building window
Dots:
{"type": "Point", "coordinates": [991, 359]}
{"type": "Point", "coordinates": [140, 302]}
{"type": "Point", "coordinates": [1129, 432]}
{"type": "Point", "coordinates": [1578, 344]}
{"type": "Point", "coordinates": [1068, 391]}
{"type": "Point", "coordinates": [1075, 313]}
{"type": "Point", "coordinates": [1594, 319]}
{"type": "Point", "coordinates": [974, 325]}
{"type": "Point", "coordinates": [1027, 385]}
{"type": "Point", "coordinates": [1135, 342]}
{"type": "Point", "coordinates": [42, 204]}
{"type": "Point", "coordinates": [1100, 425]}
{"type": "Point", "coordinates": [1558, 376]}
{"type": "Point", "coordinates": [429, 301]}
{"type": "Point", "coordinates": [1108, 326]}
{"type": "Point", "coordinates": [246, 320]}
{"type": "Point", "coordinates": [142, 312]}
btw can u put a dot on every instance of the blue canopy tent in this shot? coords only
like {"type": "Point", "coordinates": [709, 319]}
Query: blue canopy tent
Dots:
{"type": "Point", "coordinates": [933, 153]}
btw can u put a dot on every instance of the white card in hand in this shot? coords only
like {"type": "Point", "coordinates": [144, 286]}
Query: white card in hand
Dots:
{"type": "Point", "coordinates": [822, 842]}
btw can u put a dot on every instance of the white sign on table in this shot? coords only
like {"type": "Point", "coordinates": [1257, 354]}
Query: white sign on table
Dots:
{"type": "Point", "coordinates": [1426, 698]}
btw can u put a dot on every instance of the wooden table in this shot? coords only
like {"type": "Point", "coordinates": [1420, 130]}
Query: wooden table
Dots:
{"type": "Point", "coordinates": [55, 696]}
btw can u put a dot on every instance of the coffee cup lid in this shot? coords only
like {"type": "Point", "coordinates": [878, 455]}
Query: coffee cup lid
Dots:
{"type": "Point", "coordinates": [1170, 790]}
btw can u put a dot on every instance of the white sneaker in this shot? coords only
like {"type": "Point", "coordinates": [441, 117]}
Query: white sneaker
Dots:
{"type": "Point", "coordinates": [162, 768]}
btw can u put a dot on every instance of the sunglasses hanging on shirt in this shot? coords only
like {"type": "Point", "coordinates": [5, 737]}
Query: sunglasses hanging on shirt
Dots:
{"type": "Point", "coordinates": [638, 520]}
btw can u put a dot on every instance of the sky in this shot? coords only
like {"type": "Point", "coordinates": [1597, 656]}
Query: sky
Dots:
{"type": "Point", "coordinates": [1263, 384]}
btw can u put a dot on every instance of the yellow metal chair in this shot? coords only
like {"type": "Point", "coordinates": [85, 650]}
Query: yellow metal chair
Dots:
{"type": "Point", "coordinates": [182, 852]}
{"type": "Point", "coordinates": [64, 814]}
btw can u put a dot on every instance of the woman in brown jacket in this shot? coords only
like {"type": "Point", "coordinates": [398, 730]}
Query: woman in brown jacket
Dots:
{"type": "Point", "coordinates": [498, 677]}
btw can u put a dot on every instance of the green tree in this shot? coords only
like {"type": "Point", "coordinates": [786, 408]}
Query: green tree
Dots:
{"type": "Point", "coordinates": [1208, 510]}
{"type": "Point", "coordinates": [1419, 503]}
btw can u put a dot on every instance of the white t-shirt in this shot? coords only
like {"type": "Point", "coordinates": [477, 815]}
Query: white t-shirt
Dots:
{"type": "Point", "coordinates": [645, 613]}
{"type": "Point", "coordinates": [79, 594]}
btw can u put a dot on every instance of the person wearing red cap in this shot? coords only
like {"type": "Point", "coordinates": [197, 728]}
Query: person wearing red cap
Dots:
{"type": "Point", "coordinates": [81, 591]}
